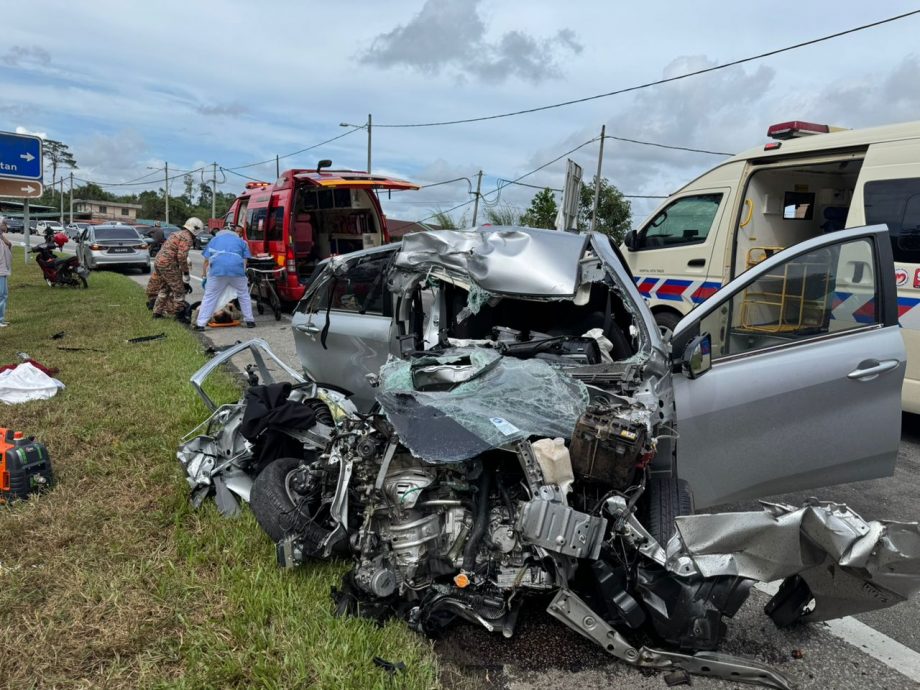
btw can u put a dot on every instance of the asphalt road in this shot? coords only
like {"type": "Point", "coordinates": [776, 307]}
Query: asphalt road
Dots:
{"type": "Point", "coordinates": [544, 654]}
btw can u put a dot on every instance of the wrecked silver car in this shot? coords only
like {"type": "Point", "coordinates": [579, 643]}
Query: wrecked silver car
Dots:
{"type": "Point", "coordinates": [530, 434]}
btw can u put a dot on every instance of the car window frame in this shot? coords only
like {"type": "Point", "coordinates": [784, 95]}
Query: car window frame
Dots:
{"type": "Point", "coordinates": [642, 233]}
{"type": "Point", "coordinates": [886, 292]}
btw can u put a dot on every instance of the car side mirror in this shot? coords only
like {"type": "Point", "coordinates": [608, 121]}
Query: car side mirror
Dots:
{"type": "Point", "coordinates": [697, 358]}
{"type": "Point", "coordinates": [631, 240]}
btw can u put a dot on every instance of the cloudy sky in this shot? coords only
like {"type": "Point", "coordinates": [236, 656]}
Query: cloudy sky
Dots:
{"type": "Point", "coordinates": [131, 85]}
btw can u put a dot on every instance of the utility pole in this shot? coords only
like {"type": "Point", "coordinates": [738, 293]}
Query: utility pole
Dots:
{"type": "Point", "coordinates": [25, 226]}
{"type": "Point", "coordinates": [277, 166]}
{"type": "Point", "coordinates": [61, 220]}
{"type": "Point", "coordinates": [214, 191]}
{"type": "Point", "coordinates": [166, 189]}
{"type": "Point", "coordinates": [476, 202]}
{"type": "Point", "coordinates": [368, 126]}
{"type": "Point", "coordinates": [368, 143]}
{"type": "Point", "coordinates": [597, 180]}
{"type": "Point", "coordinates": [71, 197]}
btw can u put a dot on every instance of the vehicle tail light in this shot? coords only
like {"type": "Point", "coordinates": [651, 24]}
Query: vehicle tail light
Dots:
{"type": "Point", "coordinates": [772, 146]}
{"type": "Point", "coordinates": [279, 259]}
{"type": "Point", "coordinates": [796, 128]}
{"type": "Point", "coordinates": [96, 247]}
{"type": "Point", "coordinates": [290, 264]}
{"type": "Point", "coordinates": [140, 246]}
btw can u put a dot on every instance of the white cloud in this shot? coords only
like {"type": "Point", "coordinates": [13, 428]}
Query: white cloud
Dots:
{"type": "Point", "coordinates": [22, 130]}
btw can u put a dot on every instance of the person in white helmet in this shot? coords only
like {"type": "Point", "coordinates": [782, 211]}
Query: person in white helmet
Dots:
{"type": "Point", "coordinates": [171, 266]}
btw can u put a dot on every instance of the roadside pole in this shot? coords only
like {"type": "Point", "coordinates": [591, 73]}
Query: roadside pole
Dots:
{"type": "Point", "coordinates": [25, 226]}
{"type": "Point", "coordinates": [166, 189]}
{"type": "Point", "coordinates": [368, 143]}
{"type": "Point", "coordinates": [597, 180]}
{"type": "Point", "coordinates": [476, 202]}
{"type": "Point", "coordinates": [214, 191]}
{"type": "Point", "coordinates": [71, 197]}
{"type": "Point", "coordinates": [277, 166]}
{"type": "Point", "coordinates": [62, 201]}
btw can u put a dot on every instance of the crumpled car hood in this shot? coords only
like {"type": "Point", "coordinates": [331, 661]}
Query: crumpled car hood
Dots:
{"type": "Point", "coordinates": [505, 261]}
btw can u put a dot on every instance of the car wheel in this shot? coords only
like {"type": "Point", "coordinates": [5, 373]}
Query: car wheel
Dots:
{"type": "Point", "coordinates": [667, 321]}
{"type": "Point", "coordinates": [145, 269]}
{"type": "Point", "coordinates": [278, 507]}
{"type": "Point", "coordinates": [667, 498]}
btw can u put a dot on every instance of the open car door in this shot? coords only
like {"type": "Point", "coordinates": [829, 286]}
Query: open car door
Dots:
{"type": "Point", "coordinates": [807, 363]}
{"type": "Point", "coordinates": [342, 325]}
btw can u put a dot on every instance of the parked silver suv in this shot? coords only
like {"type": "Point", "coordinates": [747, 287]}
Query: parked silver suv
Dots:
{"type": "Point", "coordinates": [788, 378]}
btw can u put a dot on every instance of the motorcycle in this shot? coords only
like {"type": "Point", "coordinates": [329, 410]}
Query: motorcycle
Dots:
{"type": "Point", "coordinates": [66, 272]}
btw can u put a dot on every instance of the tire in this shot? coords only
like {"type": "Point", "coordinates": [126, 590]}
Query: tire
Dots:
{"type": "Point", "coordinates": [260, 307]}
{"type": "Point", "coordinates": [145, 269]}
{"type": "Point", "coordinates": [667, 321]}
{"type": "Point", "coordinates": [82, 282]}
{"type": "Point", "coordinates": [668, 498]}
{"type": "Point", "coordinates": [270, 502]}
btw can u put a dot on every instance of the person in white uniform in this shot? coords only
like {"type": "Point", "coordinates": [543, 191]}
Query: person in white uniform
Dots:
{"type": "Point", "coordinates": [225, 265]}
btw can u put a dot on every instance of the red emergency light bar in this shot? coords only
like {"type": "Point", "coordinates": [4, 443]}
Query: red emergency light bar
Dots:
{"type": "Point", "coordinates": [796, 128]}
{"type": "Point", "coordinates": [257, 185]}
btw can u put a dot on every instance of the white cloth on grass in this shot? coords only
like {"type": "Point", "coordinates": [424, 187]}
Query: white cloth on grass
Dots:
{"type": "Point", "coordinates": [26, 382]}
{"type": "Point", "coordinates": [214, 291]}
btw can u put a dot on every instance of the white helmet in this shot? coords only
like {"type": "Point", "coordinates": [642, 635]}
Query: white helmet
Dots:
{"type": "Point", "coordinates": [194, 224]}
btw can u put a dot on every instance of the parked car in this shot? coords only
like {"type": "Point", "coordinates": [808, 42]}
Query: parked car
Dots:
{"type": "Point", "coordinates": [74, 230]}
{"type": "Point", "coordinates": [810, 402]}
{"type": "Point", "coordinates": [43, 226]}
{"type": "Point", "coordinates": [113, 245]}
{"type": "Point", "coordinates": [15, 224]}
{"type": "Point", "coordinates": [201, 239]}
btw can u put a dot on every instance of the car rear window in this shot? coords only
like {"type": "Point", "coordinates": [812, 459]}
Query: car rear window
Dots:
{"type": "Point", "coordinates": [116, 234]}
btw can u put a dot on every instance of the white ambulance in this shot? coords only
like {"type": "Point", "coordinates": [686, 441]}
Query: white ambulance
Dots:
{"type": "Point", "coordinates": [811, 179]}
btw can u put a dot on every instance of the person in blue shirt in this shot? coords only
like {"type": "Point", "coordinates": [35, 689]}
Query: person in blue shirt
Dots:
{"type": "Point", "coordinates": [225, 266]}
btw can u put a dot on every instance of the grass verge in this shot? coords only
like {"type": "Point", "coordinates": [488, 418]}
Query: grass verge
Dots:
{"type": "Point", "coordinates": [111, 580]}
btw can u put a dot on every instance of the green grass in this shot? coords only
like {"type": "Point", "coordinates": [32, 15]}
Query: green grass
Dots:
{"type": "Point", "coordinates": [111, 580]}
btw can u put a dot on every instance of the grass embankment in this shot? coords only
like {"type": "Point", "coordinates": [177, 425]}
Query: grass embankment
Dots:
{"type": "Point", "coordinates": [111, 580]}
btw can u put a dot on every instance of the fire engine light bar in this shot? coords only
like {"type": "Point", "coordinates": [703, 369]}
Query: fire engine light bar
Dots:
{"type": "Point", "coordinates": [795, 128]}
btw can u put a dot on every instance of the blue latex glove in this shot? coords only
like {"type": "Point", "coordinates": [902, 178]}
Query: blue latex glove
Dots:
{"type": "Point", "coordinates": [204, 283]}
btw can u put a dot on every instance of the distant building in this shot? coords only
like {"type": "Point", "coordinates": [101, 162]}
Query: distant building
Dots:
{"type": "Point", "coordinates": [107, 210]}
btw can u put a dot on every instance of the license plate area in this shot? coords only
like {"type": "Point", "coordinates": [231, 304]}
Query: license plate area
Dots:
{"type": "Point", "coordinates": [119, 250]}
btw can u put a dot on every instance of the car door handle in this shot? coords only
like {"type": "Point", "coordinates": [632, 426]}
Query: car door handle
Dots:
{"type": "Point", "coordinates": [871, 368]}
{"type": "Point", "coordinates": [696, 263]}
{"type": "Point", "coordinates": [308, 328]}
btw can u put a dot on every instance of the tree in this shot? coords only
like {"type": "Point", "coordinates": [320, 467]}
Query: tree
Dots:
{"type": "Point", "coordinates": [189, 183]}
{"type": "Point", "coordinates": [614, 212]}
{"type": "Point", "coordinates": [58, 155]}
{"type": "Point", "coordinates": [204, 196]}
{"type": "Point", "coordinates": [444, 220]}
{"type": "Point", "coordinates": [542, 211]}
{"type": "Point", "coordinates": [503, 215]}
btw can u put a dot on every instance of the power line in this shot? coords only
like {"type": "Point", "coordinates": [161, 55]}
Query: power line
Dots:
{"type": "Point", "coordinates": [294, 153]}
{"type": "Point", "coordinates": [134, 183]}
{"type": "Point", "coordinates": [499, 188]}
{"type": "Point", "coordinates": [668, 146]}
{"type": "Point", "coordinates": [658, 82]}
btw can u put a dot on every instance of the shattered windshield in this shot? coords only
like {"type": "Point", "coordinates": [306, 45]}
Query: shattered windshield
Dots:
{"type": "Point", "coordinates": [450, 407]}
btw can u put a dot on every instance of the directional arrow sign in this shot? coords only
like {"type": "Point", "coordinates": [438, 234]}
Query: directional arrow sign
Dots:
{"type": "Point", "coordinates": [20, 189]}
{"type": "Point", "coordinates": [20, 156]}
